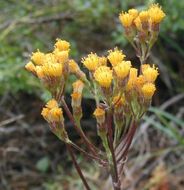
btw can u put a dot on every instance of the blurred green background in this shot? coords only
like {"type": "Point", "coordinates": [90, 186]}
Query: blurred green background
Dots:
{"type": "Point", "coordinates": [90, 26]}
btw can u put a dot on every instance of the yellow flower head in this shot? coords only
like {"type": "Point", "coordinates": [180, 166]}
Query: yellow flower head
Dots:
{"type": "Point", "coordinates": [115, 56]}
{"type": "Point", "coordinates": [99, 113]}
{"type": "Point", "coordinates": [144, 67]}
{"type": "Point", "coordinates": [73, 66]}
{"type": "Point", "coordinates": [102, 61]}
{"type": "Point", "coordinates": [122, 69]}
{"type": "Point", "coordinates": [132, 79]}
{"type": "Point", "coordinates": [62, 45]}
{"type": "Point", "coordinates": [38, 58]}
{"type": "Point", "coordinates": [61, 56]}
{"type": "Point", "coordinates": [52, 70]}
{"type": "Point", "coordinates": [138, 23]}
{"type": "Point", "coordinates": [39, 72]}
{"type": "Point", "coordinates": [126, 19]}
{"type": "Point", "coordinates": [51, 104]}
{"type": "Point", "coordinates": [55, 115]}
{"type": "Point", "coordinates": [91, 62]}
{"type": "Point", "coordinates": [133, 12]}
{"type": "Point", "coordinates": [156, 13]}
{"type": "Point", "coordinates": [103, 75]}
{"type": "Point", "coordinates": [30, 67]}
{"type": "Point", "coordinates": [78, 86]}
{"type": "Point", "coordinates": [148, 90]}
{"type": "Point", "coordinates": [150, 74]}
{"type": "Point", "coordinates": [76, 99]}
{"type": "Point", "coordinates": [140, 82]}
{"type": "Point", "coordinates": [52, 113]}
{"type": "Point", "coordinates": [144, 16]}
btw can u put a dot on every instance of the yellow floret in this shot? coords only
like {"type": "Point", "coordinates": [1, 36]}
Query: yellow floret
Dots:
{"type": "Point", "coordinates": [51, 112]}
{"type": "Point", "coordinates": [103, 75]}
{"type": "Point", "coordinates": [78, 86]}
{"type": "Point", "coordinates": [132, 79]}
{"type": "Point", "coordinates": [52, 104]}
{"type": "Point", "coordinates": [140, 82]}
{"type": "Point", "coordinates": [55, 115]}
{"type": "Point", "coordinates": [144, 67]}
{"type": "Point", "coordinates": [91, 62]}
{"type": "Point", "coordinates": [138, 23]}
{"type": "Point", "coordinates": [122, 69]}
{"type": "Point", "coordinates": [99, 113]}
{"type": "Point", "coordinates": [38, 58]}
{"type": "Point", "coordinates": [144, 16]}
{"type": "Point", "coordinates": [30, 67]}
{"type": "Point", "coordinates": [150, 74]}
{"type": "Point", "coordinates": [156, 13]}
{"type": "Point", "coordinates": [62, 45]}
{"type": "Point", "coordinates": [39, 72]}
{"type": "Point", "coordinates": [115, 56]}
{"type": "Point", "coordinates": [45, 113]}
{"type": "Point", "coordinates": [148, 90]}
{"type": "Point", "coordinates": [126, 19]}
{"type": "Point", "coordinates": [61, 56]}
{"type": "Point", "coordinates": [52, 70]}
{"type": "Point", "coordinates": [102, 61]}
{"type": "Point", "coordinates": [73, 66]}
{"type": "Point", "coordinates": [133, 12]}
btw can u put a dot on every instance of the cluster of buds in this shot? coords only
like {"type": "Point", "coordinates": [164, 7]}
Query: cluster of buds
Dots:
{"type": "Point", "coordinates": [122, 92]}
{"type": "Point", "coordinates": [53, 114]}
{"type": "Point", "coordinates": [142, 28]}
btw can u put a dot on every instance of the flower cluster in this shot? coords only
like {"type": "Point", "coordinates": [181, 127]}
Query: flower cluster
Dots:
{"type": "Point", "coordinates": [142, 28]}
{"type": "Point", "coordinates": [122, 93]}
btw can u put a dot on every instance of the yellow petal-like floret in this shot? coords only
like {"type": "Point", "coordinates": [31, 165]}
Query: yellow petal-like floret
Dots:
{"type": "Point", "coordinates": [62, 45]}
{"type": "Point", "coordinates": [39, 72]}
{"type": "Point", "coordinates": [156, 13]}
{"type": "Point", "coordinates": [52, 104]}
{"type": "Point", "coordinates": [103, 75]}
{"type": "Point", "coordinates": [122, 69]}
{"type": "Point", "coordinates": [150, 74]}
{"type": "Point", "coordinates": [132, 79]}
{"type": "Point", "coordinates": [102, 61]}
{"type": "Point", "coordinates": [133, 12]}
{"type": "Point", "coordinates": [99, 113]}
{"type": "Point", "coordinates": [51, 112]}
{"type": "Point", "coordinates": [144, 67]}
{"type": "Point", "coordinates": [61, 56]}
{"type": "Point", "coordinates": [140, 82]}
{"type": "Point", "coordinates": [115, 56]}
{"type": "Point", "coordinates": [138, 23]}
{"type": "Point", "coordinates": [91, 62]}
{"type": "Point", "coordinates": [55, 115]}
{"type": "Point", "coordinates": [73, 66]}
{"type": "Point", "coordinates": [126, 19]}
{"type": "Point", "coordinates": [52, 70]}
{"type": "Point", "coordinates": [38, 58]}
{"type": "Point", "coordinates": [144, 16]}
{"type": "Point", "coordinates": [78, 86]}
{"type": "Point", "coordinates": [30, 67]}
{"type": "Point", "coordinates": [148, 90]}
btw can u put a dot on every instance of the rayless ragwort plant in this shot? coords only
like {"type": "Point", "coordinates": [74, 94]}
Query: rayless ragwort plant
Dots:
{"type": "Point", "coordinates": [122, 93]}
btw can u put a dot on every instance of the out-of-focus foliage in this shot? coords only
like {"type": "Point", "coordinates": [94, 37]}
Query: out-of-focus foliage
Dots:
{"type": "Point", "coordinates": [88, 24]}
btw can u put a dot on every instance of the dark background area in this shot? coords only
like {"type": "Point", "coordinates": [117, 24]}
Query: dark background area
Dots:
{"type": "Point", "coordinates": [31, 157]}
